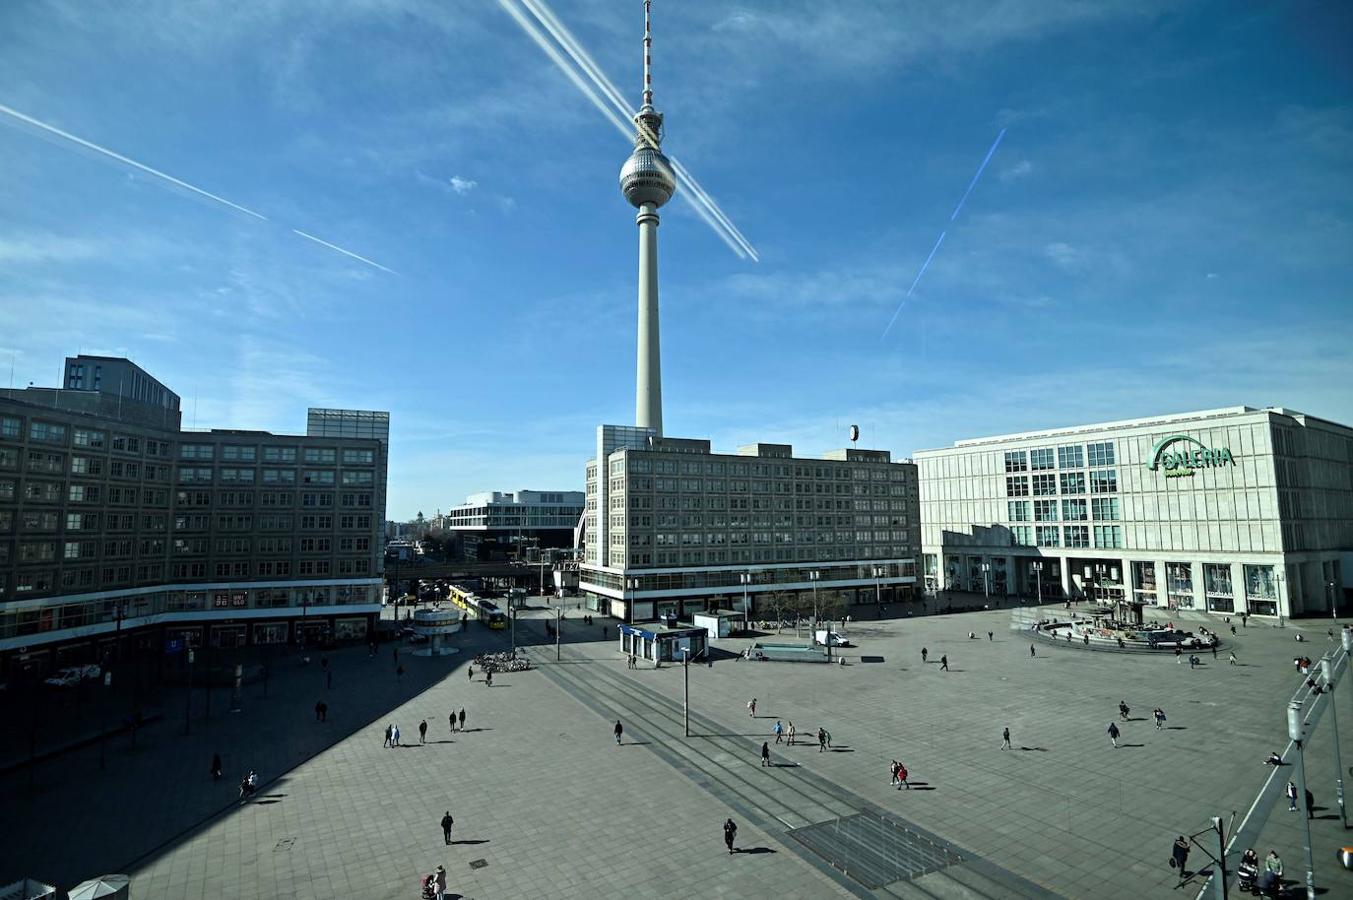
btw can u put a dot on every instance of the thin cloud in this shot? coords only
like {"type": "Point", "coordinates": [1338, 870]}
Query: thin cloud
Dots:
{"type": "Point", "coordinates": [336, 248]}
{"type": "Point", "coordinates": [463, 186]}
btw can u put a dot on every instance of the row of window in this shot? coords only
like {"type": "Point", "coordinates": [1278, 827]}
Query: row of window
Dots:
{"type": "Point", "coordinates": [230, 475]}
{"type": "Point", "coordinates": [71, 579]}
{"type": "Point", "coordinates": [1102, 481]}
{"type": "Point", "coordinates": [244, 453]}
{"type": "Point", "coordinates": [1068, 457]}
{"type": "Point", "coordinates": [640, 466]}
{"type": "Point", "coordinates": [756, 555]}
{"type": "Point", "coordinates": [126, 548]}
{"type": "Point", "coordinates": [50, 520]}
{"type": "Point", "coordinates": [1105, 536]}
{"type": "Point", "coordinates": [1103, 508]}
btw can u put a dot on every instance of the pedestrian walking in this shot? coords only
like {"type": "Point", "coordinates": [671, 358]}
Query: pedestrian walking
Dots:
{"type": "Point", "coordinates": [902, 777]}
{"type": "Point", "coordinates": [395, 735]}
{"type": "Point", "coordinates": [1113, 734]}
{"type": "Point", "coordinates": [1214, 651]}
{"type": "Point", "coordinates": [439, 882]}
{"type": "Point", "coordinates": [821, 740]}
{"type": "Point", "coordinates": [1005, 738]}
{"type": "Point", "coordinates": [488, 678]}
{"type": "Point", "coordinates": [1193, 661]}
{"type": "Point", "coordinates": [1178, 654]}
{"type": "Point", "coordinates": [792, 732]}
{"type": "Point", "coordinates": [730, 833]}
{"type": "Point", "coordinates": [893, 770]}
{"type": "Point", "coordinates": [447, 822]}
{"type": "Point", "coordinates": [1231, 660]}
{"type": "Point", "coordinates": [925, 654]}
{"type": "Point", "coordinates": [451, 720]}
{"type": "Point", "coordinates": [216, 767]}
{"type": "Point", "coordinates": [619, 731]}
{"type": "Point", "coordinates": [423, 732]}
{"type": "Point", "coordinates": [1159, 715]}
{"type": "Point", "coordinates": [765, 753]}
{"type": "Point", "coordinates": [1033, 651]}
{"type": "Point", "coordinates": [778, 730]}
{"type": "Point", "coordinates": [321, 711]}
{"type": "Point", "coordinates": [990, 636]}
{"type": "Point", "coordinates": [1291, 796]}
{"type": "Point", "coordinates": [462, 718]}
{"type": "Point", "coordinates": [389, 736]}
{"type": "Point", "coordinates": [829, 739]}
{"type": "Point", "coordinates": [1179, 857]}
{"type": "Point", "coordinates": [751, 707]}
{"type": "Point", "coordinates": [469, 670]}
{"type": "Point", "coordinates": [944, 663]}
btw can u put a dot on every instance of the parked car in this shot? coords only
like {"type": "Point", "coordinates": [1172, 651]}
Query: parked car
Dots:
{"type": "Point", "coordinates": [73, 675]}
{"type": "Point", "coordinates": [822, 636]}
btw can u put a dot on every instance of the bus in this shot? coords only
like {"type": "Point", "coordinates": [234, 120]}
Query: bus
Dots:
{"type": "Point", "coordinates": [484, 610]}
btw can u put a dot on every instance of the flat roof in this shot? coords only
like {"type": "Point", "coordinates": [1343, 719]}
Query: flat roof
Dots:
{"type": "Point", "coordinates": [1166, 419]}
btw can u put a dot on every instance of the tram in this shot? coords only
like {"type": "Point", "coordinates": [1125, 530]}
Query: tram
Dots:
{"type": "Point", "coordinates": [484, 610]}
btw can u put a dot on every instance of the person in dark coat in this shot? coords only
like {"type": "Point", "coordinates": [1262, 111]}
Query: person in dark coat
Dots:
{"type": "Point", "coordinates": [619, 731]}
{"type": "Point", "coordinates": [1179, 856]}
{"type": "Point", "coordinates": [447, 822]}
{"type": "Point", "coordinates": [216, 767]}
{"type": "Point", "coordinates": [765, 753]}
{"type": "Point", "coordinates": [730, 833]}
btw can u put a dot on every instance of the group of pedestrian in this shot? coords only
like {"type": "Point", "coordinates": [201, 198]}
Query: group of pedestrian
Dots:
{"type": "Point", "coordinates": [321, 711]}
{"type": "Point", "coordinates": [391, 735]}
{"type": "Point", "coordinates": [632, 661]}
{"type": "Point", "coordinates": [456, 719]}
{"type": "Point", "coordinates": [899, 773]}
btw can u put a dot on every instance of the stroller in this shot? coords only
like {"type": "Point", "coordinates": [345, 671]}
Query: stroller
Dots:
{"type": "Point", "coordinates": [1247, 872]}
{"type": "Point", "coordinates": [428, 883]}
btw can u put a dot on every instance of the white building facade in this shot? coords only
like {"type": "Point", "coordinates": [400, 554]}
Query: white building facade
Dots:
{"type": "Point", "coordinates": [673, 528]}
{"type": "Point", "coordinates": [1237, 510]}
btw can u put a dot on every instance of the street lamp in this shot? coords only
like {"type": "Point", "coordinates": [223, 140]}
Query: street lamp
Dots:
{"type": "Point", "coordinates": [1327, 669]}
{"type": "Point", "coordinates": [814, 576]}
{"type": "Point", "coordinates": [1334, 611]}
{"type": "Point", "coordinates": [686, 689]}
{"type": "Point", "coordinates": [632, 586]}
{"type": "Point", "coordinates": [745, 579]}
{"type": "Point", "coordinates": [986, 582]}
{"type": "Point", "coordinates": [879, 572]}
{"type": "Point", "coordinates": [1038, 580]}
{"type": "Point", "coordinates": [1294, 732]}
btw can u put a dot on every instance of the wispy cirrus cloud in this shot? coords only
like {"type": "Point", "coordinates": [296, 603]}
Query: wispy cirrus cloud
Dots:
{"type": "Point", "coordinates": [463, 186]}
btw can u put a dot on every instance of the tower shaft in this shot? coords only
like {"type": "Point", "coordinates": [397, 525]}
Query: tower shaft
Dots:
{"type": "Point", "coordinates": [648, 374]}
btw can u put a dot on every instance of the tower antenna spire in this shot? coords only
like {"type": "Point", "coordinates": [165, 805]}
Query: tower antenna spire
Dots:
{"type": "Point", "coordinates": [648, 54]}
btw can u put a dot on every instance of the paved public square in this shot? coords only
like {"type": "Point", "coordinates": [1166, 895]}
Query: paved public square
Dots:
{"type": "Point", "coordinates": [546, 804]}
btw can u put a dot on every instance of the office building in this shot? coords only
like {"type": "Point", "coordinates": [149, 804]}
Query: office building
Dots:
{"type": "Point", "coordinates": [496, 523]}
{"type": "Point", "coordinates": [674, 528]}
{"type": "Point", "coordinates": [114, 527]}
{"type": "Point", "coordinates": [1228, 510]}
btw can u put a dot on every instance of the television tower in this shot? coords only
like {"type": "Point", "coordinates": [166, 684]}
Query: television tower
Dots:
{"type": "Point", "coordinates": [647, 181]}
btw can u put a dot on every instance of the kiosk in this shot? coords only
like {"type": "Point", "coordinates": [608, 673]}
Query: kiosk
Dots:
{"type": "Point", "coordinates": [660, 645]}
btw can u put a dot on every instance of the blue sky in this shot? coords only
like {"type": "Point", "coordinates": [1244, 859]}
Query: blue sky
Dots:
{"type": "Point", "coordinates": [1166, 225]}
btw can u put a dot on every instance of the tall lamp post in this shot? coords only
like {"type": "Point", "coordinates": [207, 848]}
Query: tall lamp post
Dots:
{"type": "Point", "coordinates": [1038, 581]}
{"type": "Point", "coordinates": [1334, 608]}
{"type": "Point", "coordinates": [746, 580]}
{"type": "Point", "coordinates": [879, 572]}
{"type": "Point", "coordinates": [1294, 732]}
{"type": "Point", "coordinates": [632, 586]}
{"type": "Point", "coordinates": [686, 689]}
{"type": "Point", "coordinates": [1327, 668]}
{"type": "Point", "coordinates": [814, 576]}
{"type": "Point", "coordinates": [986, 582]}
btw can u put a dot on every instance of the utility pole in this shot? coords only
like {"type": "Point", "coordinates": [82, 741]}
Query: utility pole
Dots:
{"type": "Point", "coordinates": [686, 689]}
{"type": "Point", "coordinates": [188, 704]}
{"type": "Point", "coordinates": [558, 621]}
{"type": "Point", "coordinates": [1294, 731]}
{"type": "Point", "coordinates": [1327, 667]}
{"type": "Point", "coordinates": [513, 610]}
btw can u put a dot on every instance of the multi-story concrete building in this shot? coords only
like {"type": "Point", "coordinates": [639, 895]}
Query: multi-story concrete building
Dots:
{"type": "Point", "coordinates": [1228, 510]}
{"type": "Point", "coordinates": [508, 520]}
{"type": "Point", "coordinates": [671, 527]}
{"type": "Point", "coordinates": [111, 522]}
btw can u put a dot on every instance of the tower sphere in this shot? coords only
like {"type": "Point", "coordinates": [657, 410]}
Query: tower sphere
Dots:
{"type": "Point", "coordinates": [647, 177]}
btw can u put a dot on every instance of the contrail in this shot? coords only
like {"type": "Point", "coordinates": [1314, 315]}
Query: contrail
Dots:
{"type": "Point", "coordinates": [52, 129]}
{"type": "Point", "coordinates": [980, 169]}
{"type": "Point", "coordinates": [925, 265]}
{"type": "Point", "coordinates": [603, 91]}
{"type": "Point", "coordinates": [336, 248]}
{"type": "Point", "coordinates": [164, 176]}
{"type": "Point", "coordinates": [915, 281]}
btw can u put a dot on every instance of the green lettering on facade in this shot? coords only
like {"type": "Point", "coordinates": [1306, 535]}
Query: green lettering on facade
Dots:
{"type": "Point", "coordinates": [1183, 463]}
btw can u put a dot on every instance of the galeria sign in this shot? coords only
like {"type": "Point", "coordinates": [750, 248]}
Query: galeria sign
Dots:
{"type": "Point", "coordinates": [1180, 460]}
